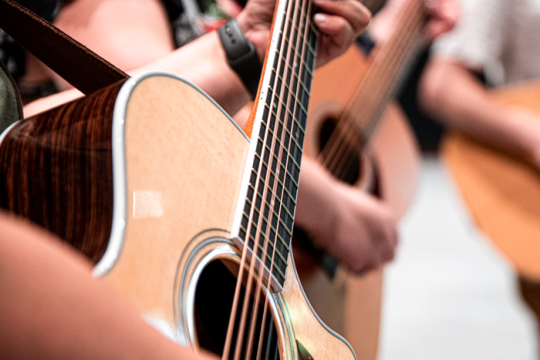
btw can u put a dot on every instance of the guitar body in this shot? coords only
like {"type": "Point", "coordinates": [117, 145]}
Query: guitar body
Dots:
{"type": "Point", "coordinates": [174, 164]}
{"type": "Point", "coordinates": [502, 191]}
{"type": "Point", "coordinates": [388, 164]}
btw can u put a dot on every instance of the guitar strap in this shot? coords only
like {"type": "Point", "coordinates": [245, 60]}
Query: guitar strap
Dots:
{"type": "Point", "coordinates": [74, 62]}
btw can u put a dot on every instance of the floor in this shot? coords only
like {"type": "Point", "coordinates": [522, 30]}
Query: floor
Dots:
{"type": "Point", "coordinates": [450, 294]}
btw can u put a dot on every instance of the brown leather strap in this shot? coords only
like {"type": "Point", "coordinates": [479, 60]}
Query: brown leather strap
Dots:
{"type": "Point", "coordinates": [77, 64]}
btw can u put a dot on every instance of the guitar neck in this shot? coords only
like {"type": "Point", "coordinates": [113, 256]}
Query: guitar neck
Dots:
{"type": "Point", "coordinates": [266, 207]}
{"type": "Point", "coordinates": [387, 70]}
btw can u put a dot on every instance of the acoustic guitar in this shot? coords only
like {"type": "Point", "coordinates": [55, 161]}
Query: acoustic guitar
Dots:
{"type": "Point", "coordinates": [362, 140]}
{"type": "Point", "coordinates": [184, 215]}
{"type": "Point", "coordinates": [501, 191]}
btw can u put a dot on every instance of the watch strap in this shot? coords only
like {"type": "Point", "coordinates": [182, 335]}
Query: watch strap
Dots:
{"type": "Point", "coordinates": [241, 55]}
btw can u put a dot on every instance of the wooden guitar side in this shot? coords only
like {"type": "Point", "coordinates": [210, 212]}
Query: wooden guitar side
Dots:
{"type": "Point", "coordinates": [502, 191]}
{"type": "Point", "coordinates": [354, 306]}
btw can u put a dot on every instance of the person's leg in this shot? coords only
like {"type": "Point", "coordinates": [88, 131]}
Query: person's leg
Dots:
{"type": "Point", "coordinates": [128, 33]}
{"type": "Point", "coordinates": [52, 308]}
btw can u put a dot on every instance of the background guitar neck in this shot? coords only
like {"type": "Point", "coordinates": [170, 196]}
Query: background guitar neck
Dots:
{"type": "Point", "coordinates": [386, 71]}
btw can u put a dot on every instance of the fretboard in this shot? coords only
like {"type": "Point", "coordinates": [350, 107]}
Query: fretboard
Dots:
{"type": "Point", "coordinates": [385, 74]}
{"type": "Point", "coordinates": [365, 107]}
{"type": "Point", "coordinates": [265, 213]}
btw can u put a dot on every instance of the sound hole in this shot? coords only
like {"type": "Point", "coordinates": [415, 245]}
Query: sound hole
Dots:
{"type": "Point", "coordinates": [213, 303]}
{"type": "Point", "coordinates": [340, 157]}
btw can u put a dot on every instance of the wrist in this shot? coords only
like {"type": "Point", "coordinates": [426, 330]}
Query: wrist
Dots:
{"type": "Point", "coordinates": [332, 201]}
{"type": "Point", "coordinates": [527, 132]}
{"type": "Point", "coordinates": [258, 37]}
{"type": "Point", "coordinates": [241, 55]}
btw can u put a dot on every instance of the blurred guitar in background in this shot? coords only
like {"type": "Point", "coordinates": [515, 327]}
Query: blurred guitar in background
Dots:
{"type": "Point", "coordinates": [502, 193]}
{"type": "Point", "coordinates": [363, 139]}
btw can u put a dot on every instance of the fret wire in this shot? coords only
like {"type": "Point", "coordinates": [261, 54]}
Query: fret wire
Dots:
{"type": "Point", "coordinates": [289, 175]}
{"type": "Point", "coordinates": [285, 227]}
{"type": "Point", "coordinates": [284, 243]}
{"type": "Point", "coordinates": [311, 50]}
{"type": "Point", "coordinates": [272, 246]}
{"type": "Point", "coordinates": [295, 163]}
{"type": "Point", "coordinates": [292, 138]}
{"type": "Point", "coordinates": [280, 204]}
{"type": "Point", "coordinates": [304, 110]}
{"type": "Point", "coordinates": [270, 206]}
{"type": "Point", "coordinates": [279, 201]}
{"type": "Point", "coordinates": [283, 186]}
{"type": "Point", "coordinates": [300, 126]}
{"type": "Point", "coordinates": [260, 187]}
{"type": "Point", "coordinates": [251, 238]}
{"type": "Point", "coordinates": [276, 142]}
{"type": "Point", "coordinates": [300, 68]}
{"type": "Point", "coordinates": [303, 85]}
{"type": "Point", "coordinates": [288, 193]}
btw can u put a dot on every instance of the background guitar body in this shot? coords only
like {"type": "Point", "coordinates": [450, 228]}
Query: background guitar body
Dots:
{"type": "Point", "coordinates": [176, 172]}
{"type": "Point", "coordinates": [390, 164]}
{"type": "Point", "coordinates": [502, 193]}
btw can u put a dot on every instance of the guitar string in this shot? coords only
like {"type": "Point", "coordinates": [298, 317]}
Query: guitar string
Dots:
{"type": "Point", "coordinates": [248, 291]}
{"type": "Point", "coordinates": [370, 128]}
{"type": "Point", "coordinates": [363, 111]}
{"type": "Point", "coordinates": [232, 317]}
{"type": "Point", "coordinates": [346, 135]}
{"type": "Point", "coordinates": [232, 321]}
{"type": "Point", "coordinates": [379, 97]}
{"type": "Point", "coordinates": [273, 144]}
{"type": "Point", "coordinates": [282, 62]}
{"type": "Point", "coordinates": [346, 131]}
{"type": "Point", "coordinates": [329, 151]}
{"type": "Point", "coordinates": [305, 23]}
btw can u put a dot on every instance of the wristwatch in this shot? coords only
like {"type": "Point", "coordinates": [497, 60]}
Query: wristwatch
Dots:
{"type": "Point", "coordinates": [241, 55]}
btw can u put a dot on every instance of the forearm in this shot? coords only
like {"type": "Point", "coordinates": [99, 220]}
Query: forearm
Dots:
{"type": "Point", "coordinates": [315, 194]}
{"type": "Point", "coordinates": [356, 228]}
{"type": "Point", "coordinates": [452, 94]}
{"type": "Point", "coordinates": [52, 308]}
{"type": "Point", "coordinates": [203, 63]}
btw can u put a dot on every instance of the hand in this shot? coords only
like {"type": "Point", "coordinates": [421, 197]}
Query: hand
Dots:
{"type": "Point", "coordinates": [364, 235]}
{"type": "Point", "coordinates": [339, 23]}
{"type": "Point", "coordinates": [356, 228]}
{"type": "Point", "coordinates": [443, 16]}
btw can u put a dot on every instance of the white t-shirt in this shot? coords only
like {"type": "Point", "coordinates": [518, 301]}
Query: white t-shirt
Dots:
{"type": "Point", "coordinates": [501, 37]}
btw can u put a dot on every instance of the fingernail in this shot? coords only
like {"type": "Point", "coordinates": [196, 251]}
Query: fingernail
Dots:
{"type": "Point", "coordinates": [320, 18]}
